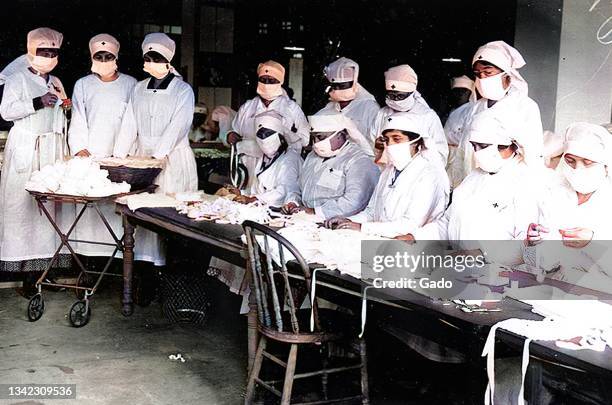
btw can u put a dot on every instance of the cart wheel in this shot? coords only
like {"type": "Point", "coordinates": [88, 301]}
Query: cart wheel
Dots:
{"type": "Point", "coordinates": [84, 280]}
{"type": "Point", "coordinates": [79, 314]}
{"type": "Point", "coordinates": [36, 307]}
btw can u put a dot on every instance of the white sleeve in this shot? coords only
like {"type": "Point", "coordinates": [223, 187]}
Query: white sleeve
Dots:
{"type": "Point", "coordinates": [128, 131]}
{"type": "Point", "coordinates": [15, 105]}
{"type": "Point", "coordinates": [237, 122]}
{"type": "Point", "coordinates": [78, 134]}
{"type": "Point", "coordinates": [436, 230]}
{"type": "Point", "coordinates": [180, 124]}
{"type": "Point", "coordinates": [287, 184]}
{"type": "Point", "coordinates": [437, 133]}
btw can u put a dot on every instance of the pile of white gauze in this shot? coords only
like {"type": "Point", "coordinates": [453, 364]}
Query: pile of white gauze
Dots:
{"type": "Point", "coordinates": [77, 176]}
{"type": "Point", "coordinates": [224, 211]}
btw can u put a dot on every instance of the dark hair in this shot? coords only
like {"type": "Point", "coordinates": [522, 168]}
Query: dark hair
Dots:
{"type": "Point", "coordinates": [411, 136]}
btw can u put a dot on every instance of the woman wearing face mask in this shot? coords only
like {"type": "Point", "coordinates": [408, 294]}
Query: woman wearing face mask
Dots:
{"type": "Point", "coordinates": [577, 210]}
{"type": "Point", "coordinates": [505, 93]}
{"type": "Point", "coordinates": [496, 201]}
{"type": "Point", "coordinates": [99, 102]}
{"type": "Point", "coordinates": [156, 124]}
{"type": "Point", "coordinates": [351, 99]}
{"type": "Point", "coordinates": [278, 170]}
{"type": "Point", "coordinates": [337, 178]}
{"type": "Point", "coordinates": [411, 191]}
{"type": "Point", "coordinates": [29, 101]}
{"type": "Point", "coordinates": [270, 97]}
{"type": "Point", "coordinates": [402, 96]}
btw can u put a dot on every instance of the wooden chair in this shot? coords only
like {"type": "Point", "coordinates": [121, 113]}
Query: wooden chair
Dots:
{"type": "Point", "coordinates": [281, 321]}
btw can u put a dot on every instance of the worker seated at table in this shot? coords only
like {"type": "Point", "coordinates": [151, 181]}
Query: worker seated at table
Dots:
{"type": "Point", "coordinates": [337, 178]}
{"type": "Point", "coordinates": [497, 201]}
{"type": "Point", "coordinates": [576, 213]}
{"type": "Point", "coordinates": [277, 171]}
{"type": "Point", "coordinates": [412, 191]}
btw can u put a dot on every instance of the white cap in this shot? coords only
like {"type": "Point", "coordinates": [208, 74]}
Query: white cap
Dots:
{"type": "Point", "coordinates": [200, 108]}
{"type": "Point", "coordinates": [326, 122]}
{"type": "Point", "coordinates": [462, 82]}
{"type": "Point", "coordinates": [160, 43]}
{"type": "Point", "coordinates": [486, 127]}
{"type": "Point", "coordinates": [270, 120]}
{"type": "Point", "coordinates": [401, 78]}
{"type": "Point", "coordinates": [104, 42]}
{"type": "Point", "coordinates": [43, 38]}
{"type": "Point", "coordinates": [588, 141]}
{"type": "Point", "coordinates": [505, 57]}
{"type": "Point", "coordinates": [342, 70]}
{"type": "Point", "coordinates": [405, 121]}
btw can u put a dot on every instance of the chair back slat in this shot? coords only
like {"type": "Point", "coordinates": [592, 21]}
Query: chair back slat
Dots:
{"type": "Point", "coordinates": [271, 278]}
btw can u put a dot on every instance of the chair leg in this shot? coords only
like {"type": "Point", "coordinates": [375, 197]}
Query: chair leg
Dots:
{"type": "Point", "coordinates": [365, 391]}
{"type": "Point", "coordinates": [289, 373]}
{"type": "Point", "coordinates": [250, 391]}
{"type": "Point", "coordinates": [325, 363]}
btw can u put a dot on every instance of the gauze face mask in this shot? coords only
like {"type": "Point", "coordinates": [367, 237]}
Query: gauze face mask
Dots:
{"type": "Point", "coordinates": [584, 180]}
{"type": "Point", "coordinates": [324, 148]}
{"type": "Point", "coordinates": [269, 146]}
{"type": "Point", "coordinates": [344, 94]}
{"type": "Point", "coordinates": [489, 159]}
{"type": "Point", "coordinates": [401, 105]}
{"type": "Point", "coordinates": [492, 87]}
{"type": "Point", "coordinates": [400, 154]}
{"type": "Point", "coordinates": [42, 64]}
{"type": "Point", "coordinates": [157, 70]}
{"type": "Point", "coordinates": [269, 91]}
{"type": "Point", "coordinates": [104, 69]}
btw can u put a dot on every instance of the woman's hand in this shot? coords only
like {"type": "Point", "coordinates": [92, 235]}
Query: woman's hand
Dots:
{"type": "Point", "coordinates": [409, 238]}
{"type": "Point", "coordinates": [233, 138]}
{"type": "Point", "coordinates": [245, 199]}
{"type": "Point", "coordinates": [292, 208]}
{"type": "Point", "coordinates": [576, 237]}
{"type": "Point", "coordinates": [83, 153]}
{"type": "Point", "coordinates": [332, 223]}
{"type": "Point", "coordinates": [348, 224]}
{"type": "Point", "coordinates": [534, 234]}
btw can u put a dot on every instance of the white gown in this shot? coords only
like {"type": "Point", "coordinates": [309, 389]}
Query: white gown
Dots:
{"type": "Point", "coordinates": [453, 129]}
{"type": "Point", "coordinates": [429, 120]}
{"type": "Point", "coordinates": [97, 111]}
{"type": "Point", "coordinates": [276, 181]}
{"type": "Point", "coordinates": [340, 185]}
{"type": "Point", "coordinates": [156, 124]}
{"type": "Point", "coordinates": [487, 208]}
{"type": "Point", "coordinates": [418, 196]}
{"type": "Point", "coordinates": [33, 142]}
{"type": "Point", "coordinates": [362, 111]}
{"type": "Point", "coordinates": [293, 119]}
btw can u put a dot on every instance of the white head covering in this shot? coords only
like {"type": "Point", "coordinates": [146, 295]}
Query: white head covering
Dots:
{"type": "Point", "coordinates": [504, 57]}
{"type": "Point", "coordinates": [401, 78]}
{"type": "Point", "coordinates": [104, 42]}
{"type": "Point", "coordinates": [342, 70]}
{"type": "Point", "coordinates": [588, 141]}
{"type": "Point", "coordinates": [326, 122]}
{"type": "Point", "coordinates": [271, 68]}
{"type": "Point", "coordinates": [553, 145]}
{"type": "Point", "coordinates": [160, 43]}
{"type": "Point", "coordinates": [462, 82]}
{"type": "Point", "coordinates": [200, 108]}
{"type": "Point", "coordinates": [488, 128]}
{"type": "Point", "coordinates": [405, 121]}
{"type": "Point", "coordinates": [43, 38]}
{"type": "Point", "coordinates": [270, 120]}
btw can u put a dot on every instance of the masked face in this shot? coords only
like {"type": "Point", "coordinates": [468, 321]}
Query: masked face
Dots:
{"type": "Point", "coordinates": [345, 91]}
{"type": "Point", "coordinates": [42, 64]}
{"type": "Point", "coordinates": [401, 154]}
{"type": "Point", "coordinates": [157, 70]}
{"type": "Point", "coordinates": [400, 102]}
{"type": "Point", "coordinates": [269, 91]}
{"type": "Point", "coordinates": [328, 147]}
{"type": "Point", "coordinates": [584, 179]}
{"type": "Point", "coordinates": [489, 159]}
{"type": "Point", "coordinates": [104, 69]}
{"type": "Point", "coordinates": [269, 142]}
{"type": "Point", "coordinates": [492, 87]}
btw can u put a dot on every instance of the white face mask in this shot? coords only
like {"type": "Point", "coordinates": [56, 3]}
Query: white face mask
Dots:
{"type": "Point", "coordinates": [324, 148]}
{"type": "Point", "coordinates": [400, 154]}
{"type": "Point", "coordinates": [270, 145]}
{"type": "Point", "coordinates": [489, 159]}
{"type": "Point", "coordinates": [401, 105]}
{"type": "Point", "coordinates": [269, 91]}
{"type": "Point", "coordinates": [104, 69]}
{"type": "Point", "coordinates": [584, 180]}
{"type": "Point", "coordinates": [344, 94]}
{"type": "Point", "coordinates": [157, 70]}
{"type": "Point", "coordinates": [42, 64]}
{"type": "Point", "coordinates": [492, 87]}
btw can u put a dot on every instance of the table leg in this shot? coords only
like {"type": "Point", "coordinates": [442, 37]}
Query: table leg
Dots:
{"type": "Point", "coordinates": [128, 266]}
{"type": "Point", "coordinates": [252, 335]}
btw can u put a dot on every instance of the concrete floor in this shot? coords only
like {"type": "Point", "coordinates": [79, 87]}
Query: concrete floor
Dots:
{"type": "Point", "coordinates": [119, 360]}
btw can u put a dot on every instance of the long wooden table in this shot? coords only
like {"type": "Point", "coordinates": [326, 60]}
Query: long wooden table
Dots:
{"type": "Point", "coordinates": [435, 320]}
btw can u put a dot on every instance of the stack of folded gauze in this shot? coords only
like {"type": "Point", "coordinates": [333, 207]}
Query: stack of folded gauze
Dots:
{"type": "Point", "coordinates": [78, 177]}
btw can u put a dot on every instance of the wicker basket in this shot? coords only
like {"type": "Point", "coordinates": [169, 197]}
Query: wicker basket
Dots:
{"type": "Point", "coordinates": [138, 178]}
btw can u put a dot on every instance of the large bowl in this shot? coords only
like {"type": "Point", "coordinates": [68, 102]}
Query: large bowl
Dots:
{"type": "Point", "coordinates": [138, 178]}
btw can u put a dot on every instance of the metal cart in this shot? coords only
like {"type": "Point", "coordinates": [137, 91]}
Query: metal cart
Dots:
{"type": "Point", "coordinates": [80, 311]}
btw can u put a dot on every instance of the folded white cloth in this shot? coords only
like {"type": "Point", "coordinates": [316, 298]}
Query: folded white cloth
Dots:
{"type": "Point", "coordinates": [148, 200]}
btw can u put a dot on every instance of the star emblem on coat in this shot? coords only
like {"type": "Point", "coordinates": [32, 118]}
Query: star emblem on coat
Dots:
{"type": "Point", "coordinates": [495, 205]}
{"type": "Point", "coordinates": [389, 119]}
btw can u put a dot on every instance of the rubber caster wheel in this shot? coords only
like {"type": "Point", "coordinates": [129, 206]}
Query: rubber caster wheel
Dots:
{"type": "Point", "coordinates": [79, 314]}
{"type": "Point", "coordinates": [84, 280]}
{"type": "Point", "coordinates": [36, 307]}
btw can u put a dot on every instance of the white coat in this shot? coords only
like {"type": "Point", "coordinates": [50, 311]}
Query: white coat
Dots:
{"type": "Point", "coordinates": [340, 185]}
{"type": "Point", "coordinates": [97, 111]}
{"type": "Point", "coordinates": [453, 129]}
{"type": "Point", "coordinates": [157, 123]}
{"type": "Point", "coordinates": [436, 141]}
{"type": "Point", "coordinates": [25, 234]}
{"type": "Point", "coordinates": [277, 180]}
{"type": "Point", "coordinates": [362, 111]}
{"type": "Point", "coordinates": [293, 119]}
{"type": "Point", "coordinates": [490, 207]}
{"type": "Point", "coordinates": [418, 196]}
